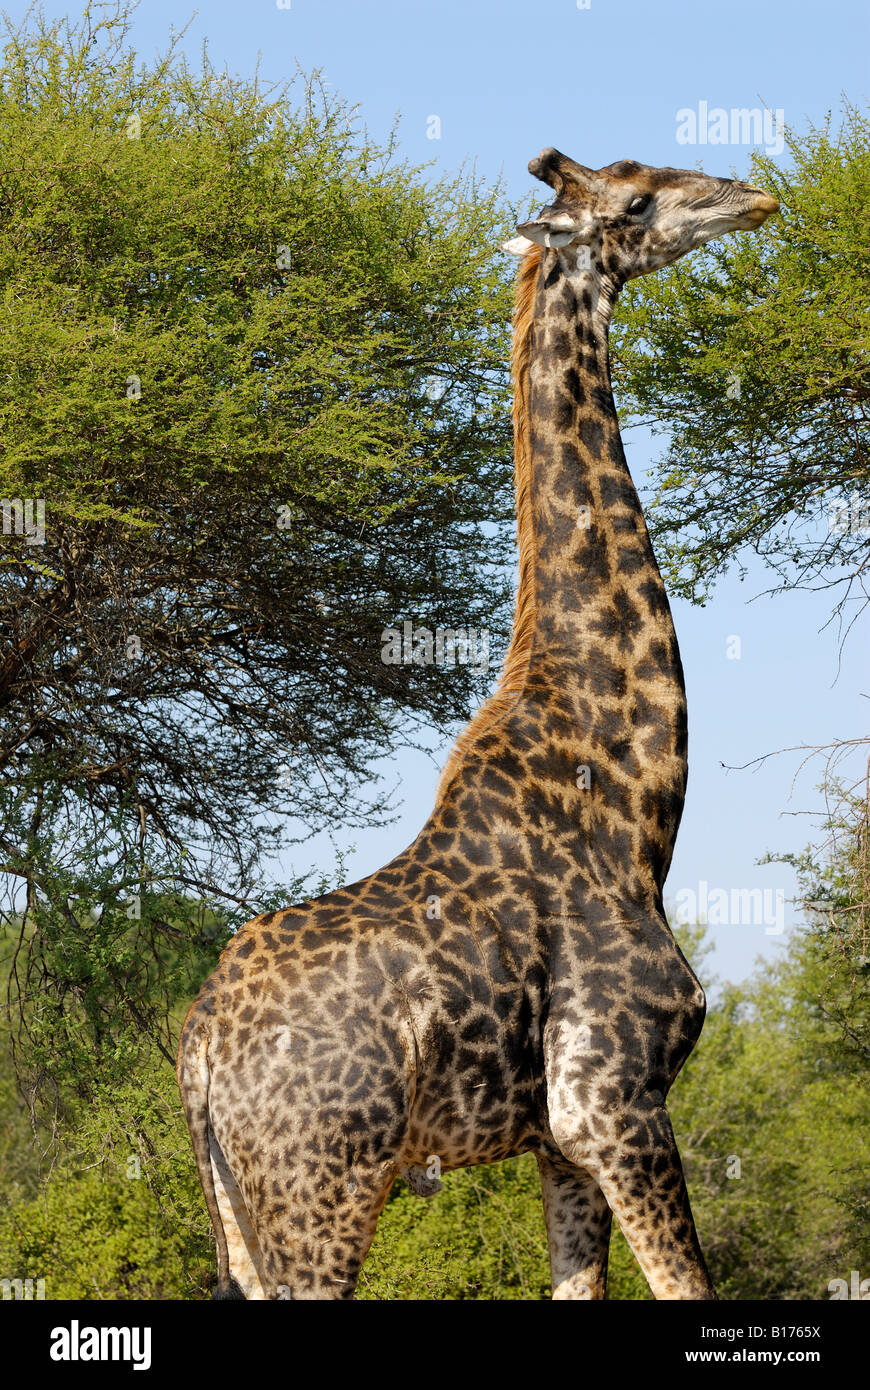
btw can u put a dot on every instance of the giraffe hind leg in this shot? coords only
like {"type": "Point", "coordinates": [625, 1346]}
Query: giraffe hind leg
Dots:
{"type": "Point", "coordinates": [315, 1250]}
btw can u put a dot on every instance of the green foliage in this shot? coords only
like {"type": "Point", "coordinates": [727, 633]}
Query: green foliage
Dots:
{"type": "Point", "coordinates": [104, 949]}
{"type": "Point", "coordinates": [482, 1238]}
{"type": "Point", "coordinates": [19, 1159]}
{"type": "Point", "coordinates": [834, 880]}
{"type": "Point", "coordinates": [280, 285]}
{"type": "Point", "coordinates": [754, 354]}
{"type": "Point", "coordinates": [90, 1237]}
{"type": "Point", "coordinates": [775, 1134]}
{"type": "Point", "coordinates": [120, 1213]}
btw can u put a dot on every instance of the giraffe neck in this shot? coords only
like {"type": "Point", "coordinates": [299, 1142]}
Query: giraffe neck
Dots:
{"type": "Point", "coordinates": [603, 659]}
{"type": "Point", "coordinates": [598, 594]}
{"type": "Point", "coordinates": [582, 749]}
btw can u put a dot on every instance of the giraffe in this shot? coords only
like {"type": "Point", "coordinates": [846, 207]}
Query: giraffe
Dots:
{"type": "Point", "coordinates": [508, 983]}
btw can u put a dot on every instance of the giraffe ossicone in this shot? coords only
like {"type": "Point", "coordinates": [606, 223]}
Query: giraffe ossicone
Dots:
{"type": "Point", "coordinates": [545, 1007]}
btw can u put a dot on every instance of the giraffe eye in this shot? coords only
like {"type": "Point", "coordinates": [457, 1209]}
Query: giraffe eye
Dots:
{"type": "Point", "coordinates": [639, 204]}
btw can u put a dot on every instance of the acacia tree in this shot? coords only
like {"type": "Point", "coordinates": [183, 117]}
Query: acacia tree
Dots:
{"type": "Point", "coordinates": [754, 353]}
{"type": "Point", "coordinates": [253, 411]}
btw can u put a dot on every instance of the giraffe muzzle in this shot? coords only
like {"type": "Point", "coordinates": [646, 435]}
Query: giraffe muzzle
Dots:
{"type": "Point", "coordinates": [764, 205]}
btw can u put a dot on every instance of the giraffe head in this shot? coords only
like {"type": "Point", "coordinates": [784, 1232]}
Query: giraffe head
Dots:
{"type": "Point", "coordinates": [632, 218]}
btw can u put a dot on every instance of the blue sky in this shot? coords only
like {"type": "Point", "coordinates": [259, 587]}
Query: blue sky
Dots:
{"type": "Point", "coordinates": [604, 83]}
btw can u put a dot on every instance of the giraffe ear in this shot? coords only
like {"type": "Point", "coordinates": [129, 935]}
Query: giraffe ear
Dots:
{"type": "Point", "coordinates": [518, 246]}
{"type": "Point", "coordinates": [551, 228]}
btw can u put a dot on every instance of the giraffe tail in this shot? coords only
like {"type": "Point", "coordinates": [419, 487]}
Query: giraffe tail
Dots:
{"type": "Point", "coordinates": [193, 1083]}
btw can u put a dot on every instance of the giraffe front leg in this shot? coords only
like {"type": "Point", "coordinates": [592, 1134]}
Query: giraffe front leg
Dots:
{"type": "Point", "coordinates": [578, 1229]}
{"type": "Point", "coordinates": [623, 1139]}
{"type": "Point", "coordinates": [646, 1190]}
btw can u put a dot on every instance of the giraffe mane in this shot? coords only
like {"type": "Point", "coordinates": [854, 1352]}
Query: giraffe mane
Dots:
{"type": "Point", "coordinates": [516, 660]}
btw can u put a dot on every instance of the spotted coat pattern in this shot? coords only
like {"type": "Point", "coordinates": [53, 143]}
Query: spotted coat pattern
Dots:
{"type": "Point", "coordinates": [509, 982]}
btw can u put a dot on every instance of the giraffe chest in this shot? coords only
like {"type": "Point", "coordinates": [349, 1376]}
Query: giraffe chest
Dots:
{"type": "Point", "coordinates": [626, 1008]}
